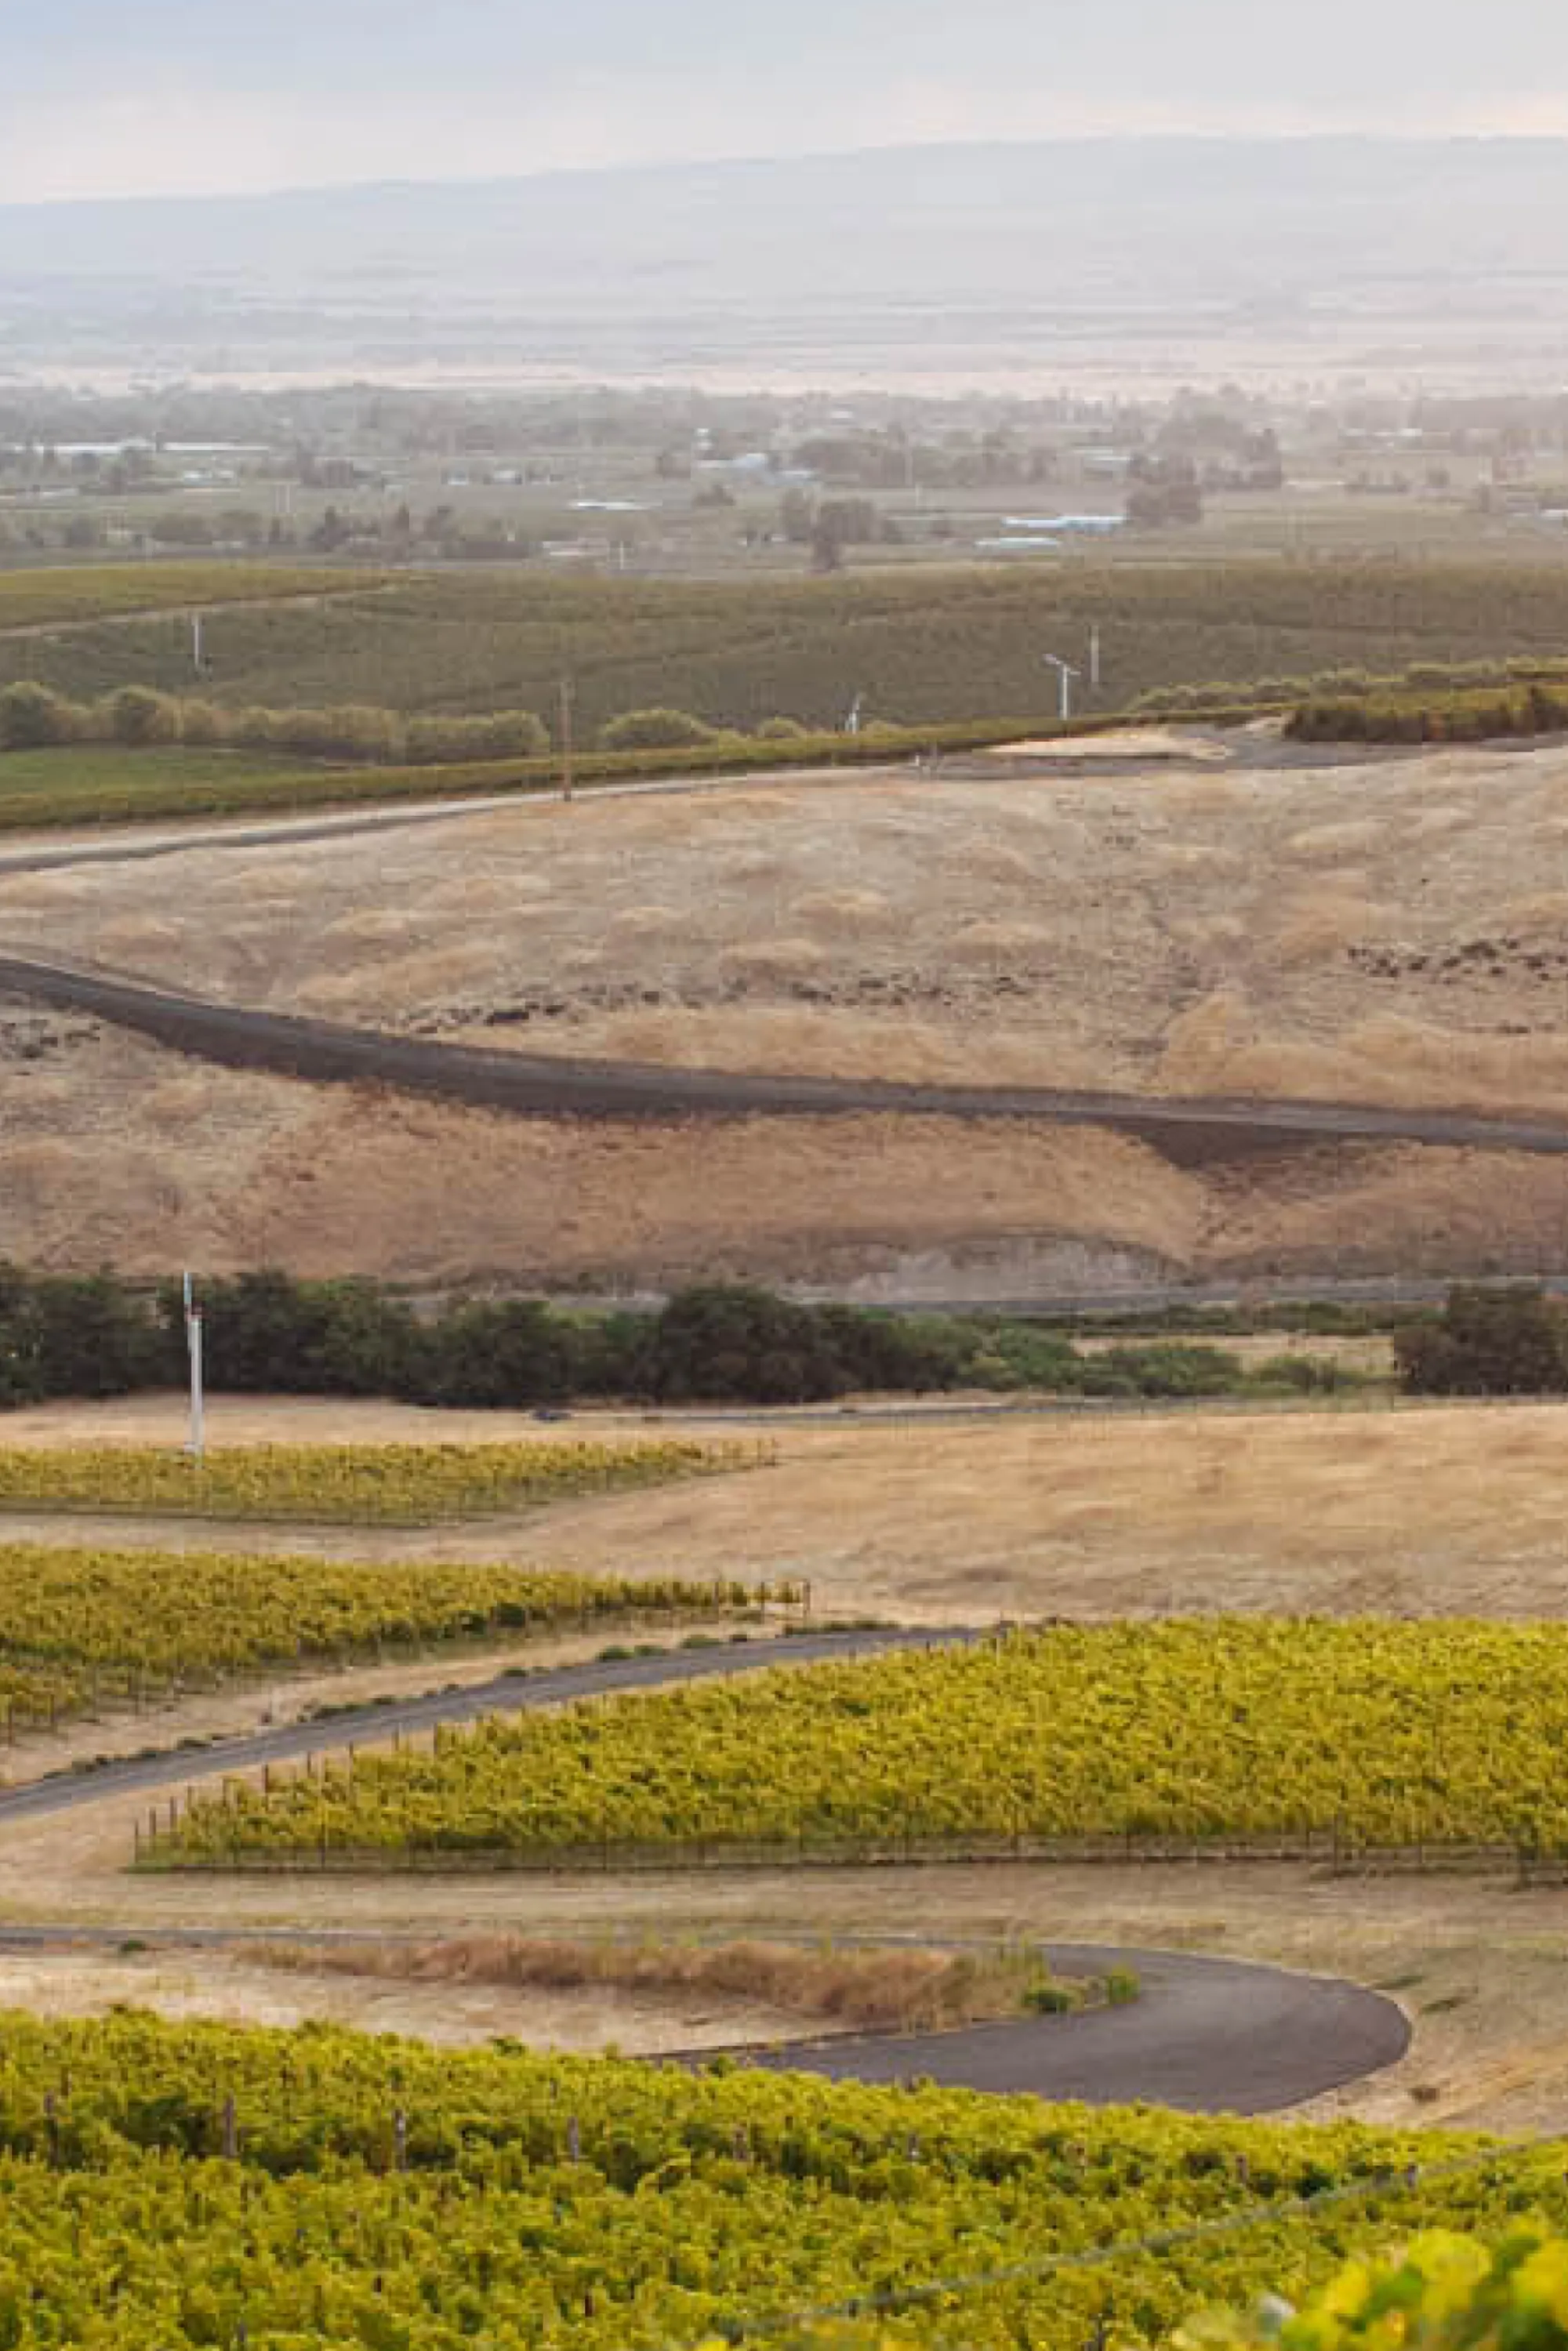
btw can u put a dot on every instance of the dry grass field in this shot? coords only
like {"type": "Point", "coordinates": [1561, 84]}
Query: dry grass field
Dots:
{"type": "Point", "coordinates": [1395, 932]}
{"type": "Point", "coordinates": [1454, 1510]}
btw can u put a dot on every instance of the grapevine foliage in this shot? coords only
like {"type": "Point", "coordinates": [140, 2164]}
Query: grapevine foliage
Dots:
{"type": "Point", "coordinates": [77, 1627]}
{"type": "Point", "coordinates": [172, 2185]}
{"type": "Point", "coordinates": [395, 1484]}
{"type": "Point", "coordinates": [1384, 1734]}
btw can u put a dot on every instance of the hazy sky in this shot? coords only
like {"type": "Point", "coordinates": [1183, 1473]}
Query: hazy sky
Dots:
{"type": "Point", "coordinates": [103, 97]}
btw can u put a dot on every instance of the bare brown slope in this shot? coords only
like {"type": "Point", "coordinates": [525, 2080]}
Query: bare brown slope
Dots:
{"type": "Point", "coordinates": [1395, 934]}
{"type": "Point", "coordinates": [113, 1152]}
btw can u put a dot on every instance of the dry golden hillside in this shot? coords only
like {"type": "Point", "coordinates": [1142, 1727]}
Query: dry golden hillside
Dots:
{"type": "Point", "coordinates": [1395, 932]}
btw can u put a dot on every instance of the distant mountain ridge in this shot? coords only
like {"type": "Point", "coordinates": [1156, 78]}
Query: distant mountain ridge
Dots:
{"type": "Point", "coordinates": [1027, 247]}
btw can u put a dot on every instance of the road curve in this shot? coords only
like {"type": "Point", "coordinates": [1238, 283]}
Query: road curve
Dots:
{"type": "Point", "coordinates": [541, 1086]}
{"type": "Point", "coordinates": [1205, 2036]}
{"type": "Point", "coordinates": [510, 1694]}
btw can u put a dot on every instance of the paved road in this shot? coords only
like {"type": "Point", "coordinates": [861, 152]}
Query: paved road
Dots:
{"type": "Point", "coordinates": [1207, 2035]}
{"type": "Point", "coordinates": [540, 1086]}
{"type": "Point", "coordinates": [509, 1695]}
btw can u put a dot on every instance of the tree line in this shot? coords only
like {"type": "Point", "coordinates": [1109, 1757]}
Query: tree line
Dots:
{"type": "Point", "coordinates": [1487, 1342]}
{"type": "Point", "coordinates": [266, 1333]}
{"type": "Point", "coordinates": [1473, 715]}
{"type": "Point", "coordinates": [34, 717]}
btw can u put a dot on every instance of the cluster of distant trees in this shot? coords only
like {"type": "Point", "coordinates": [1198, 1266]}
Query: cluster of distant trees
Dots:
{"type": "Point", "coordinates": [442, 533]}
{"type": "Point", "coordinates": [1163, 491]}
{"type": "Point", "coordinates": [1487, 1342]}
{"type": "Point", "coordinates": [892, 461]}
{"type": "Point", "coordinates": [34, 717]}
{"type": "Point", "coordinates": [831, 526]}
{"type": "Point", "coordinates": [267, 1333]}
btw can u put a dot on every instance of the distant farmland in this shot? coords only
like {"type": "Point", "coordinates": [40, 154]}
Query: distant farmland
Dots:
{"type": "Point", "coordinates": [959, 644]}
{"type": "Point", "coordinates": [32, 599]}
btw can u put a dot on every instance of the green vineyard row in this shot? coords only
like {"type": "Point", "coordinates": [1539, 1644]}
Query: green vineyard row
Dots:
{"type": "Point", "coordinates": [403, 1484]}
{"type": "Point", "coordinates": [1379, 1734]}
{"type": "Point", "coordinates": [166, 2186]}
{"type": "Point", "coordinates": [80, 1628]}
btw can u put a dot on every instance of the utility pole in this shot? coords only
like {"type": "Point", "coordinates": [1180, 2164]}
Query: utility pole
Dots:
{"type": "Point", "coordinates": [194, 1336]}
{"type": "Point", "coordinates": [1094, 664]}
{"type": "Point", "coordinates": [567, 748]}
{"type": "Point", "coordinates": [198, 646]}
{"type": "Point", "coordinates": [1066, 672]}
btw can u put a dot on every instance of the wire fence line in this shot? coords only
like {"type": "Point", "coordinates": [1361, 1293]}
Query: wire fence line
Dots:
{"type": "Point", "coordinates": [1332, 1846]}
{"type": "Point", "coordinates": [897, 2299]}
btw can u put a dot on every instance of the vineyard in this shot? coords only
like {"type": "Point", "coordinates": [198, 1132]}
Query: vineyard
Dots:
{"type": "Point", "coordinates": [943, 644]}
{"type": "Point", "coordinates": [1379, 1735]}
{"type": "Point", "coordinates": [93, 592]}
{"type": "Point", "coordinates": [168, 2186]}
{"type": "Point", "coordinates": [78, 1628]}
{"type": "Point", "coordinates": [397, 1485]}
{"type": "Point", "coordinates": [1443, 2291]}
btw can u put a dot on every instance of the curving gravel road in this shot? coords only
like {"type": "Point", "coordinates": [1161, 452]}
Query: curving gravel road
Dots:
{"type": "Point", "coordinates": [540, 1086]}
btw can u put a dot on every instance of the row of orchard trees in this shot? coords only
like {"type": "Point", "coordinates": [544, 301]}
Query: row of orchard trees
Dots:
{"type": "Point", "coordinates": [34, 717]}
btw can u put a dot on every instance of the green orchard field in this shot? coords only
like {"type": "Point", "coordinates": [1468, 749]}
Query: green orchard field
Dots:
{"type": "Point", "coordinates": [97, 592]}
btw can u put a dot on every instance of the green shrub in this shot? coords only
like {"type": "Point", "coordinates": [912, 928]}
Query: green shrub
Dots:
{"type": "Point", "coordinates": [34, 718]}
{"type": "Point", "coordinates": [507, 735]}
{"type": "Point", "coordinates": [654, 730]}
{"type": "Point", "coordinates": [137, 718]}
{"type": "Point", "coordinates": [1053, 2000]}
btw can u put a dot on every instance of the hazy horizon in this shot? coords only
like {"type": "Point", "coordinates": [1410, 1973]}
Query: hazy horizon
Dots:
{"type": "Point", "coordinates": [740, 160]}
{"type": "Point", "coordinates": [175, 99]}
